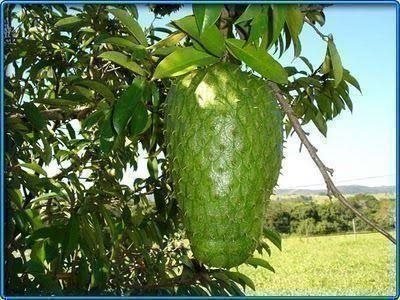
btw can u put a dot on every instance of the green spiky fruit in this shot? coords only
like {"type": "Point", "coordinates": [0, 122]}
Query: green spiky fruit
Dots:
{"type": "Point", "coordinates": [224, 143]}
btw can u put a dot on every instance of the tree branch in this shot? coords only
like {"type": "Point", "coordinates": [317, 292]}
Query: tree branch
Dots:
{"type": "Point", "coordinates": [325, 172]}
{"type": "Point", "coordinates": [59, 114]}
{"type": "Point", "coordinates": [323, 36]}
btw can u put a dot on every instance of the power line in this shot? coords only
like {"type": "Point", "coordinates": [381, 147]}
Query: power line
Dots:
{"type": "Point", "coordinates": [339, 181]}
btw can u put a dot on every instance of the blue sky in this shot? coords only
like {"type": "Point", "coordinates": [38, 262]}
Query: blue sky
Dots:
{"type": "Point", "coordinates": [362, 144]}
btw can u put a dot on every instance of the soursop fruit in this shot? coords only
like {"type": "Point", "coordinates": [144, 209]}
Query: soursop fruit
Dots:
{"type": "Point", "coordinates": [224, 144]}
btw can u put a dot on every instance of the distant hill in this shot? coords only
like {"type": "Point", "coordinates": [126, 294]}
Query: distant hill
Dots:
{"type": "Point", "coordinates": [345, 189]}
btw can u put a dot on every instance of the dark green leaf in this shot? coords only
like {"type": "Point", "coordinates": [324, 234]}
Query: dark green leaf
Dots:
{"type": "Point", "coordinates": [107, 135]}
{"type": "Point", "coordinates": [34, 267]}
{"type": "Point", "coordinates": [324, 104]}
{"type": "Point", "coordinates": [34, 116]}
{"type": "Point", "coordinates": [125, 107]}
{"type": "Point", "coordinates": [307, 62]}
{"type": "Point", "coordinates": [98, 87]}
{"type": "Point", "coordinates": [123, 60]}
{"type": "Point", "coordinates": [182, 61]}
{"type": "Point", "coordinates": [250, 13]}
{"type": "Point", "coordinates": [274, 237]}
{"type": "Point", "coordinates": [320, 123]}
{"type": "Point", "coordinates": [131, 24]}
{"type": "Point", "coordinates": [139, 122]}
{"type": "Point", "coordinates": [71, 238]}
{"type": "Point", "coordinates": [241, 279]}
{"type": "Point", "coordinates": [255, 262]}
{"type": "Point", "coordinates": [257, 59]}
{"type": "Point", "coordinates": [350, 79]}
{"type": "Point", "coordinates": [206, 15]}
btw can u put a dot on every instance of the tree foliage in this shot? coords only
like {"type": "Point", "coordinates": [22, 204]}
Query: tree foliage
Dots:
{"type": "Point", "coordinates": [85, 90]}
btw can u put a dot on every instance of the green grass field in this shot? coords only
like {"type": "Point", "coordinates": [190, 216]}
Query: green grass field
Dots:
{"type": "Point", "coordinates": [328, 265]}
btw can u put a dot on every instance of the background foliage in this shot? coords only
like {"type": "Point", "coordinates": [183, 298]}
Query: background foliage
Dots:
{"type": "Point", "coordinates": [304, 215]}
{"type": "Point", "coordinates": [85, 89]}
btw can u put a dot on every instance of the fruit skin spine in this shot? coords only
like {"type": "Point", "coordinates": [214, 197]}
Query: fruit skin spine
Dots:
{"type": "Point", "coordinates": [224, 143]}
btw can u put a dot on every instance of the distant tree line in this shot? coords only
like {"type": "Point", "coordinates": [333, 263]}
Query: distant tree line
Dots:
{"type": "Point", "coordinates": [307, 217]}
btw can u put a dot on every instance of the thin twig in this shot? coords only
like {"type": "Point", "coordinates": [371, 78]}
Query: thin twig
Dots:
{"type": "Point", "coordinates": [325, 172]}
{"type": "Point", "coordinates": [58, 114]}
{"type": "Point", "coordinates": [323, 36]}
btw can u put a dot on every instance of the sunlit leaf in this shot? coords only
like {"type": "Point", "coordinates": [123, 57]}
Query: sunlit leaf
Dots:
{"type": "Point", "coordinates": [182, 61]}
{"type": "Point", "coordinates": [206, 15]}
{"type": "Point", "coordinates": [257, 59]}
{"type": "Point", "coordinates": [294, 21]}
{"type": "Point", "coordinates": [34, 167]}
{"type": "Point", "coordinates": [336, 62]}
{"type": "Point", "coordinates": [131, 24]}
{"type": "Point", "coordinates": [278, 21]}
{"type": "Point", "coordinates": [68, 21]}
{"type": "Point", "coordinates": [123, 60]}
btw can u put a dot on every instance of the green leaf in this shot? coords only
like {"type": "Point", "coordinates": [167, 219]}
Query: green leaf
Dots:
{"type": "Point", "coordinates": [182, 61]}
{"type": "Point", "coordinates": [324, 104]}
{"type": "Point", "coordinates": [34, 167]}
{"type": "Point", "coordinates": [123, 60]}
{"type": "Point", "coordinates": [326, 65]}
{"type": "Point", "coordinates": [98, 87]}
{"type": "Point", "coordinates": [211, 39]}
{"type": "Point", "coordinates": [343, 91]}
{"type": "Point", "coordinates": [170, 40]}
{"type": "Point", "coordinates": [294, 21]}
{"type": "Point", "coordinates": [250, 13]}
{"type": "Point", "coordinates": [131, 24]}
{"type": "Point", "coordinates": [350, 79]}
{"type": "Point", "coordinates": [38, 252]}
{"type": "Point", "coordinates": [241, 279]}
{"type": "Point", "coordinates": [152, 167]}
{"type": "Point", "coordinates": [259, 27]}
{"type": "Point", "coordinates": [71, 238]}
{"type": "Point", "coordinates": [139, 122]}
{"type": "Point", "coordinates": [164, 51]}
{"type": "Point", "coordinates": [307, 63]}
{"type": "Point", "coordinates": [336, 62]}
{"type": "Point", "coordinates": [257, 59]}
{"type": "Point", "coordinates": [320, 123]}
{"type": "Point", "coordinates": [126, 106]}
{"type": "Point", "coordinates": [68, 21]}
{"type": "Point", "coordinates": [107, 135]}
{"type": "Point", "coordinates": [34, 116]}
{"type": "Point", "coordinates": [274, 237]}
{"type": "Point", "coordinates": [139, 51]}
{"type": "Point", "coordinates": [255, 262]}
{"type": "Point", "coordinates": [206, 15]}
{"type": "Point", "coordinates": [278, 21]}
{"type": "Point", "coordinates": [34, 267]}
